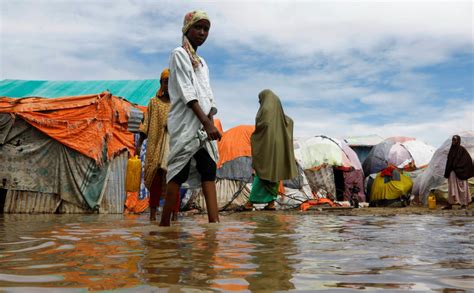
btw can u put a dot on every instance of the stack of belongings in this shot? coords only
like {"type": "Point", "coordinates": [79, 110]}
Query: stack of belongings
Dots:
{"type": "Point", "coordinates": [390, 188]}
{"type": "Point", "coordinates": [405, 155]}
{"type": "Point", "coordinates": [64, 155]}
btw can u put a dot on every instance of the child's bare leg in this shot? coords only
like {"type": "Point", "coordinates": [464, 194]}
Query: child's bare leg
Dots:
{"type": "Point", "coordinates": [174, 215]}
{"type": "Point", "coordinates": [209, 190]}
{"type": "Point", "coordinates": [155, 195]}
{"type": "Point", "coordinates": [172, 194]}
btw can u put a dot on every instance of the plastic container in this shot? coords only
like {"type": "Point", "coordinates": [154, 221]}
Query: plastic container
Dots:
{"type": "Point", "coordinates": [133, 175]}
{"type": "Point", "coordinates": [432, 202]}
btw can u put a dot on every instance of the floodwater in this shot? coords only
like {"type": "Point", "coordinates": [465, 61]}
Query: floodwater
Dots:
{"type": "Point", "coordinates": [263, 251]}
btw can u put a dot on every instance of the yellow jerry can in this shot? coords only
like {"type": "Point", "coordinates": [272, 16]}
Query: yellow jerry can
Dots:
{"type": "Point", "coordinates": [133, 175]}
{"type": "Point", "coordinates": [432, 201]}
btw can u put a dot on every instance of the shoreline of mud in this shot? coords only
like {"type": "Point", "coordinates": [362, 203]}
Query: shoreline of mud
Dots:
{"type": "Point", "coordinates": [373, 211]}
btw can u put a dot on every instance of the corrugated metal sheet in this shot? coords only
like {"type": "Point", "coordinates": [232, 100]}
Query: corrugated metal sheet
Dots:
{"type": "Point", "coordinates": [21, 202]}
{"type": "Point", "coordinates": [18, 201]}
{"type": "Point", "coordinates": [113, 198]}
{"type": "Point", "coordinates": [135, 91]}
{"type": "Point", "coordinates": [135, 119]}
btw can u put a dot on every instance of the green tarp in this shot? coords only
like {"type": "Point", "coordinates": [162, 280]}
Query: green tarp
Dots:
{"type": "Point", "coordinates": [135, 91]}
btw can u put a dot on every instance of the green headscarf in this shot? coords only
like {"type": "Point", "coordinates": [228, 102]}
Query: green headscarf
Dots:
{"type": "Point", "coordinates": [272, 142]}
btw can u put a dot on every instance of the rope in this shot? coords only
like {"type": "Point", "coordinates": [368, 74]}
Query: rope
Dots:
{"type": "Point", "coordinates": [236, 194]}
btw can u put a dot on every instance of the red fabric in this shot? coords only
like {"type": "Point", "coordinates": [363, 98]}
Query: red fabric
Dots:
{"type": "Point", "coordinates": [84, 123]}
{"type": "Point", "coordinates": [387, 172]}
{"type": "Point", "coordinates": [351, 179]}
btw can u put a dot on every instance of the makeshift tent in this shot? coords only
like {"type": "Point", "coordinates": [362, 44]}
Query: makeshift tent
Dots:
{"type": "Point", "coordinates": [362, 145]}
{"type": "Point", "coordinates": [234, 175]}
{"type": "Point", "coordinates": [433, 177]}
{"type": "Point", "coordinates": [403, 152]}
{"type": "Point", "coordinates": [66, 154]}
{"type": "Point", "coordinates": [331, 166]}
{"type": "Point", "coordinates": [235, 154]}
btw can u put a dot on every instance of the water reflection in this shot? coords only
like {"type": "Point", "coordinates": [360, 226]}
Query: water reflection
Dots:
{"type": "Point", "coordinates": [163, 261]}
{"type": "Point", "coordinates": [262, 251]}
{"type": "Point", "coordinates": [274, 262]}
{"type": "Point", "coordinates": [202, 256]}
{"type": "Point", "coordinates": [66, 254]}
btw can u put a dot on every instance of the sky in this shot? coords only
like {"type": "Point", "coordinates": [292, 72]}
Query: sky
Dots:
{"type": "Point", "coordinates": [340, 68]}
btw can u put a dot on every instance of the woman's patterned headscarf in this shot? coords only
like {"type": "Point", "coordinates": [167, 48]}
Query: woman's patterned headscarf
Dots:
{"type": "Point", "coordinates": [189, 20]}
{"type": "Point", "coordinates": [164, 75]}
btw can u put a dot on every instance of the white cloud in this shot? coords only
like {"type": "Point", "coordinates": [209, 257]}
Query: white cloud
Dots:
{"type": "Point", "coordinates": [238, 104]}
{"type": "Point", "coordinates": [442, 125]}
{"type": "Point", "coordinates": [333, 63]}
{"type": "Point", "coordinates": [304, 28]}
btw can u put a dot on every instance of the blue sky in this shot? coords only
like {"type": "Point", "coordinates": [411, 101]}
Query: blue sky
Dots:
{"type": "Point", "coordinates": [341, 68]}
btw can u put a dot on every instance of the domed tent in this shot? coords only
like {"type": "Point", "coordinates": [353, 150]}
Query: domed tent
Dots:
{"type": "Point", "coordinates": [403, 152]}
{"type": "Point", "coordinates": [330, 165]}
{"type": "Point", "coordinates": [235, 173]}
{"type": "Point", "coordinates": [235, 154]}
{"type": "Point", "coordinates": [433, 177]}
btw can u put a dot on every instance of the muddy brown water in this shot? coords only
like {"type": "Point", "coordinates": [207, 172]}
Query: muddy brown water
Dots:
{"type": "Point", "coordinates": [261, 251]}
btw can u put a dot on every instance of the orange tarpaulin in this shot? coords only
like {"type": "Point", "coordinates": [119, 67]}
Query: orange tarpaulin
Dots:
{"type": "Point", "coordinates": [84, 123]}
{"type": "Point", "coordinates": [135, 205]}
{"type": "Point", "coordinates": [314, 202]}
{"type": "Point", "coordinates": [235, 143]}
{"type": "Point", "coordinates": [218, 125]}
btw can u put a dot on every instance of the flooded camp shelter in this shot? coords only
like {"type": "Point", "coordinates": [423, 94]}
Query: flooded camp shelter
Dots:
{"type": "Point", "coordinates": [64, 144]}
{"type": "Point", "coordinates": [330, 166]}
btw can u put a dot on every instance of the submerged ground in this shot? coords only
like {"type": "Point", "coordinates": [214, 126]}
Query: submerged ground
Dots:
{"type": "Point", "coordinates": [404, 249]}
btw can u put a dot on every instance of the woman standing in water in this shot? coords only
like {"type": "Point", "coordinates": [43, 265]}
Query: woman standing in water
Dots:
{"type": "Point", "coordinates": [458, 171]}
{"type": "Point", "coordinates": [191, 120]}
{"type": "Point", "coordinates": [154, 129]}
{"type": "Point", "coordinates": [273, 157]}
